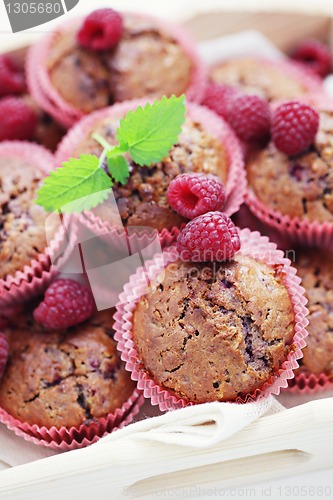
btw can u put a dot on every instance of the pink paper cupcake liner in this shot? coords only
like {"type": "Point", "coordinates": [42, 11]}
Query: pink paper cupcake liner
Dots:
{"type": "Point", "coordinates": [305, 383]}
{"type": "Point", "coordinates": [306, 77]}
{"type": "Point", "coordinates": [49, 99]}
{"type": "Point", "coordinates": [64, 439]}
{"type": "Point", "coordinates": [298, 231]}
{"type": "Point", "coordinates": [244, 218]}
{"type": "Point", "coordinates": [253, 244]}
{"type": "Point", "coordinates": [33, 278]}
{"type": "Point", "coordinates": [236, 181]}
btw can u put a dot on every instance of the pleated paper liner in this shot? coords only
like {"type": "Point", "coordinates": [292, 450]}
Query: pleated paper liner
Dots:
{"type": "Point", "coordinates": [253, 244]}
{"type": "Point", "coordinates": [244, 218]}
{"type": "Point", "coordinates": [236, 179]}
{"type": "Point", "coordinates": [49, 98]}
{"type": "Point", "coordinates": [309, 383]}
{"type": "Point", "coordinates": [35, 276]}
{"type": "Point", "coordinates": [64, 439]}
{"type": "Point", "coordinates": [298, 231]}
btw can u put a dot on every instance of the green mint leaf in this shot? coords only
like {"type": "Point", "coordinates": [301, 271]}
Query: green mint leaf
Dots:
{"type": "Point", "coordinates": [149, 133]}
{"type": "Point", "coordinates": [118, 168]}
{"type": "Point", "coordinates": [79, 185]}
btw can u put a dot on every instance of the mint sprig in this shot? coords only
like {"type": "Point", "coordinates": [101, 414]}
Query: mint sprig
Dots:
{"type": "Point", "coordinates": [80, 185]}
{"type": "Point", "coordinates": [146, 134]}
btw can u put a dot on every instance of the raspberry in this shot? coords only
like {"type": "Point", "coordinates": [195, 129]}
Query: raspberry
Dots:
{"type": "Point", "coordinates": [3, 353]}
{"type": "Point", "coordinates": [294, 127]}
{"type": "Point", "coordinates": [217, 97]}
{"type": "Point", "coordinates": [250, 117]}
{"type": "Point", "coordinates": [18, 120]}
{"type": "Point", "coordinates": [12, 79]}
{"type": "Point", "coordinates": [315, 55]}
{"type": "Point", "coordinates": [195, 194]}
{"type": "Point", "coordinates": [66, 303]}
{"type": "Point", "coordinates": [209, 237]}
{"type": "Point", "coordinates": [101, 30]}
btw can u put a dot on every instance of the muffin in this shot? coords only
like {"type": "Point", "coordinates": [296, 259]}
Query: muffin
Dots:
{"type": "Point", "coordinates": [64, 378]}
{"type": "Point", "coordinates": [270, 79]}
{"type": "Point", "coordinates": [214, 331]}
{"type": "Point", "coordinates": [315, 268]}
{"type": "Point", "coordinates": [293, 194]}
{"type": "Point", "coordinates": [206, 144]}
{"type": "Point", "coordinates": [22, 223]}
{"type": "Point", "coordinates": [152, 59]}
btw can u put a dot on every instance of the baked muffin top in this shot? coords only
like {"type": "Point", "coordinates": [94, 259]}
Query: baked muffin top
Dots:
{"type": "Point", "coordinates": [315, 268]}
{"type": "Point", "coordinates": [215, 331]}
{"type": "Point", "coordinates": [253, 76]}
{"type": "Point", "coordinates": [301, 185]}
{"type": "Point", "coordinates": [142, 201]}
{"type": "Point", "coordinates": [22, 222]}
{"type": "Point", "coordinates": [64, 378]}
{"type": "Point", "coordinates": [148, 61]}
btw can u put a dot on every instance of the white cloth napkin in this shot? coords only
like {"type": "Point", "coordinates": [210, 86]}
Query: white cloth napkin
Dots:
{"type": "Point", "coordinates": [197, 426]}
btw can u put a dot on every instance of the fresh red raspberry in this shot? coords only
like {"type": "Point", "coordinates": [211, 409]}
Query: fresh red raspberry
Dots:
{"type": "Point", "coordinates": [209, 237]}
{"type": "Point", "coordinates": [315, 55]}
{"type": "Point", "coordinates": [217, 97]}
{"type": "Point", "coordinates": [3, 353]}
{"type": "Point", "coordinates": [294, 127]}
{"type": "Point", "coordinates": [12, 80]}
{"type": "Point", "coordinates": [66, 303]}
{"type": "Point", "coordinates": [250, 117]}
{"type": "Point", "coordinates": [195, 194]}
{"type": "Point", "coordinates": [101, 30]}
{"type": "Point", "coordinates": [18, 120]}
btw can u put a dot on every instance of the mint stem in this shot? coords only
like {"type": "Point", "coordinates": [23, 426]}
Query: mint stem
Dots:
{"type": "Point", "coordinates": [103, 142]}
{"type": "Point", "coordinates": [102, 158]}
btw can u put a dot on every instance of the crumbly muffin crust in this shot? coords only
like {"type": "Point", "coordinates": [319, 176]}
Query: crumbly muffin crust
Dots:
{"type": "Point", "coordinates": [215, 331]}
{"type": "Point", "coordinates": [315, 267]}
{"type": "Point", "coordinates": [146, 62]}
{"type": "Point", "coordinates": [299, 186]}
{"type": "Point", "coordinates": [142, 201]}
{"type": "Point", "coordinates": [253, 76]}
{"type": "Point", "coordinates": [22, 222]}
{"type": "Point", "coordinates": [64, 379]}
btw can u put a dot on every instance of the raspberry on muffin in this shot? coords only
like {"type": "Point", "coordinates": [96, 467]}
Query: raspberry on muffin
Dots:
{"type": "Point", "coordinates": [66, 303]}
{"type": "Point", "coordinates": [298, 185]}
{"type": "Point", "coordinates": [195, 194]}
{"type": "Point", "coordinates": [79, 72]}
